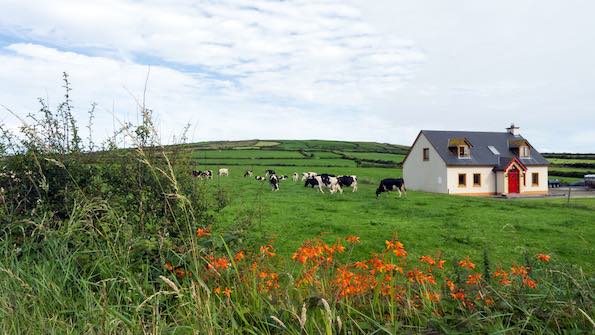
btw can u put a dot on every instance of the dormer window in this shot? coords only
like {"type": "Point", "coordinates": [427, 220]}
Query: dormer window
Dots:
{"type": "Point", "coordinates": [524, 151]}
{"type": "Point", "coordinates": [464, 151]}
{"type": "Point", "coordinates": [460, 147]}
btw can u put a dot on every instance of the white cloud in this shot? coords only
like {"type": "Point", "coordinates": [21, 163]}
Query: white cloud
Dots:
{"type": "Point", "coordinates": [219, 63]}
{"type": "Point", "coordinates": [385, 68]}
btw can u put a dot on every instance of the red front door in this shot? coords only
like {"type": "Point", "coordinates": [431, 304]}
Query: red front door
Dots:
{"type": "Point", "coordinates": [513, 180]}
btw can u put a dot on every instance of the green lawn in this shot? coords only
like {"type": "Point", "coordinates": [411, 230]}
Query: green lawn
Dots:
{"type": "Point", "coordinates": [377, 156]}
{"type": "Point", "coordinates": [248, 162]}
{"type": "Point", "coordinates": [426, 223]}
{"type": "Point", "coordinates": [247, 153]}
{"type": "Point", "coordinates": [570, 161]}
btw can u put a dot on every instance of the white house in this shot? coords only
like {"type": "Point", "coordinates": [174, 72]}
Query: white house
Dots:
{"type": "Point", "coordinates": [475, 163]}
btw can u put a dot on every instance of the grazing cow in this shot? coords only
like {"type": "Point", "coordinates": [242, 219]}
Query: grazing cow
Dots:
{"type": "Point", "coordinates": [223, 172]}
{"type": "Point", "coordinates": [307, 175]}
{"type": "Point", "coordinates": [268, 172]}
{"type": "Point", "coordinates": [391, 184]}
{"type": "Point", "coordinates": [202, 174]}
{"type": "Point", "coordinates": [346, 181]}
{"type": "Point", "coordinates": [274, 181]}
{"type": "Point", "coordinates": [283, 177]}
{"type": "Point", "coordinates": [311, 181]}
{"type": "Point", "coordinates": [329, 181]}
{"type": "Point", "coordinates": [248, 173]}
{"type": "Point", "coordinates": [260, 178]}
{"type": "Point", "coordinates": [295, 177]}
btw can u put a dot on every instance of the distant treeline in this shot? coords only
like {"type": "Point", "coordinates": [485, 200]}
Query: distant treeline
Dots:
{"type": "Point", "coordinates": [566, 155]}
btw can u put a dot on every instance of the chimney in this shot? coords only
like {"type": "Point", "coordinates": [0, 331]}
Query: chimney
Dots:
{"type": "Point", "coordinates": [514, 130]}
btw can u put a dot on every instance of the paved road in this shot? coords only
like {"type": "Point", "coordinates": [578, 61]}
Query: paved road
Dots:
{"type": "Point", "coordinates": [575, 192]}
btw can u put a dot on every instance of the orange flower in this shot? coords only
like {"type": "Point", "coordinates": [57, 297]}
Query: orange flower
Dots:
{"type": "Point", "coordinates": [543, 257]}
{"type": "Point", "coordinates": [466, 263]}
{"type": "Point", "coordinates": [396, 247]}
{"type": "Point", "coordinates": [202, 232]}
{"type": "Point", "coordinates": [420, 277]}
{"type": "Point", "coordinates": [441, 264]}
{"type": "Point", "coordinates": [451, 285]}
{"type": "Point", "coordinates": [502, 276]}
{"type": "Point", "coordinates": [218, 264]}
{"type": "Point", "coordinates": [239, 256]}
{"type": "Point", "coordinates": [180, 273]}
{"type": "Point", "coordinates": [267, 250]}
{"type": "Point", "coordinates": [227, 292]}
{"type": "Point", "coordinates": [168, 266]}
{"type": "Point", "coordinates": [427, 259]}
{"type": "Point", "coordinates": [519, 270]}
{"type": "Point", "coordinates": [360, 265]}
{"type": "Point", "coordinates": [474, 279]}
{"type": "Point", "coordinates": [217, 290]}
{"type": "Point", "coordinates": [352, 239]}
{"type": "Point", "coordinates": [529, 282]}
{"type": "Point", "coordinates": [433, 296]}
{"type": "Point", "coordinates": [460, 295]}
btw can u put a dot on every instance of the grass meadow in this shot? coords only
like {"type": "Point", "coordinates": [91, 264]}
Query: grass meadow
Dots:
{"type": "Point", "coordinates": [429, 223]}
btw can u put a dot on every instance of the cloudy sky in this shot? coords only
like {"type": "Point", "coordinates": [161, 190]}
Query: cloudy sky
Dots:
{"type": "Point", "coordinates": [339, 69]}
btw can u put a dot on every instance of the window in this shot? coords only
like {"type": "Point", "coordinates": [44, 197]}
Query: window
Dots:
{"type": "Point", "coordinates": [462, 179]}
{"type": "Point", "coordinates": [535, 179]}
{"type": "Point", "coordinates": [493, 150]}
{"type": "Point", "coordinates": [477, 179]}
{"type": "Point", "coordinates": [524, 179]}
{"type": "Point", "coordinates": [524, 152]}
{"type": "Point", "coordinates": [463, 151]}
{"type": "Point", "coordinates": [426, 154]}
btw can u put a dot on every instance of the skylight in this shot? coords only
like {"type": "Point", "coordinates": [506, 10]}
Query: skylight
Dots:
{"type": "Point", "coordinates": [493, 150]}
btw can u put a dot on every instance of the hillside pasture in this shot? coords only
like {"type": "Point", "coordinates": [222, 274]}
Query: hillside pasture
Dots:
{"type": "Point", "coordinates": [396, 158]}
{"type": "Point", "coordinates": [430, 223]}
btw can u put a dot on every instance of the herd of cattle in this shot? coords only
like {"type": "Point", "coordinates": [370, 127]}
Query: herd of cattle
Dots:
{"type": "Point", "coordinates": [324, 180]}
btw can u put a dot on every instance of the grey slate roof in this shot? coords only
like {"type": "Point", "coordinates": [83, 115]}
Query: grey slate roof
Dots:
{"type": "Point", "coordinates": [480, 154]}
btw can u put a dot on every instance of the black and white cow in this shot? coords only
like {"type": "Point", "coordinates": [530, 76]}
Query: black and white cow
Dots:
{"type": "Point", "coordinates": [202, 174]}
{"type": "Point", "coordinates": [310, 181]}
{"type": "Point", "coordinates": [274, 181]}
{"type": "Point", "coordinates": [347, 181]}
{"type": "Point", "coordinates": [329, 181]}
{"type": "Point", "coordinates": [260, 178]}
{"type": "Point", "coordinates": [283, 177]}
{"type": "Point", "coordinates": [391, 184]}
{"type": "Point", "coordinates": [268, 172]}
{"type": "Point", "coordinates": [248, 173]}
{"type": "Point", "coordinates": [307, 175]}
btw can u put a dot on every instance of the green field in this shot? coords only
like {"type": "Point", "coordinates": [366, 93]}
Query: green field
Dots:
{"type": "Point", "coordinates": [429, 223]}
{"type": "Point", "coordinates": [247, 153]}
{"type": "Point", "coordinates": [377, 156]}
{"type": "Point", "coordinates": [570, 161]}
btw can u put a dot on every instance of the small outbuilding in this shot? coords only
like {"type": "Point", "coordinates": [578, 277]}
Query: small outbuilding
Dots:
{"type": "Point", "coordinates": [475, 163]}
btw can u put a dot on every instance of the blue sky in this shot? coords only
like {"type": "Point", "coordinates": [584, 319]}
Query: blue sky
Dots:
{"type": "Point", "coordinates": [350, 70]}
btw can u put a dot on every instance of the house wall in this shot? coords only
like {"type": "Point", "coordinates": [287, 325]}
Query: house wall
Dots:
{"type": "Point", "coordinates": [420, 175]}
{"type": "Point", "coordinates": [542, 188]}
{"type": "Point", "coordinates": [501, 182]}
{"type": "Point", "coordinates": [488, 180]}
